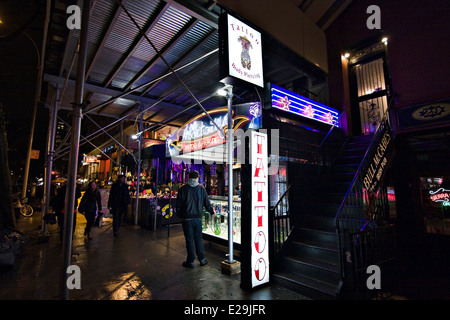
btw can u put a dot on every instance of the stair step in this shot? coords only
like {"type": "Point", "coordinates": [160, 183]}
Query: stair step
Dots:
{"type": "Point", "coordinates": [318, 221]}
{"type": "Point", "coordinates": [323, 254]}
{"type": "Point", "coordinates": [321, 209]}
{"type": "Point", "coordinates": [324, 198]}
{"type": "Point", "coordinates": [318, 244]}
{"type": "Point", "coordinates": [302, 233]}
{"type": "Point", "coordinates": [355, 150]}
{"type": "Point", "coordinates": [312, 268]}
{"type": "Point", "coordinates": [345, 168]}
{"type": "Point", "coordinates": [338, 187]}
{"type": "Point", "coordinates": [306, 286]}
{"type": "Point", "coordinates": [332, 177]}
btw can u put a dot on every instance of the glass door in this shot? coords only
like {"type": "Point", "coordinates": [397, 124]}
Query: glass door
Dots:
{"type": "Point", "coordinates": [371, 93]}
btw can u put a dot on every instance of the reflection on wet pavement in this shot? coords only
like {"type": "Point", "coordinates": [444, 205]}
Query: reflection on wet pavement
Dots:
{"type": "Point", "coordinates": [140, 264]}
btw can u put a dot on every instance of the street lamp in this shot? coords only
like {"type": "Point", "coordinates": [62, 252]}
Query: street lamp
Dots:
{"type": "Point", "coordinates": [138, 137]}
{"type": "Point", "coordinates": [227, 92]}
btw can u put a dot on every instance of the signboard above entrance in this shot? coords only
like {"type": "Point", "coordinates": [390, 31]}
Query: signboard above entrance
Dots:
{"type": "Point", "coordinates": [200, 133]}
{"type": "Point", "coordinates": [294, 103]}
{"type": "Point", "coordinates": [240, 52]}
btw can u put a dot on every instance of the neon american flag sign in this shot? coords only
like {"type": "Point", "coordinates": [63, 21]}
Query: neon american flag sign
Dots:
{"type": "Point", "coordinates": [292, 102]}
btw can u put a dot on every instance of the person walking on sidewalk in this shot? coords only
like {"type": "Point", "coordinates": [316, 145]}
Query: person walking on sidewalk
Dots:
{"type": "Point", "coordinates": [191, 199]}
{"type": "Point", "coordinates": [90, 205]}
{"type": "Point", "coordinates": [59, 204]}
{"type": "Point", "coordinates": [119, 198]}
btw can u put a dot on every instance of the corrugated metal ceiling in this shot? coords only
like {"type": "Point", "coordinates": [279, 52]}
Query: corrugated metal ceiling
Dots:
{"type": "Point", "coordinates": [120, 58]}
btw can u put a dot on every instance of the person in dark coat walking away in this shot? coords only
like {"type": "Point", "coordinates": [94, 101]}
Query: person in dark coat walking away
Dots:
{"type": "Point", "coordinates": [119, 198]}
{"type": "Point", "coordinates": [191, 199]}
{"type": "Point", "coordinates": [59, 207]}
{"type": "Point", "coordinates": [90, 205]}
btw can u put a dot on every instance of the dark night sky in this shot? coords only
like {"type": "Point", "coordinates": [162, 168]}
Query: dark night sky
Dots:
{"type": "Point", "coordinates": [18, 78]}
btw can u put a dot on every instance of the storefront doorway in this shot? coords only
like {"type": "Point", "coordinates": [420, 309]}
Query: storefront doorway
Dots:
{"type": "Point", "coordinates": [369, 88]}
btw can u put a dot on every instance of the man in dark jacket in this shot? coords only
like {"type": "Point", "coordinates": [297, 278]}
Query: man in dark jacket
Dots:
{"type": "Point", "coordinates": [119, 198]}
{"type": "Point", "coordinates": [191, 199]}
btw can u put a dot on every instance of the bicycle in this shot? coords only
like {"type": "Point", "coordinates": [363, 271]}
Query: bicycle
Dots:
{"type": "Point", "coordinates": [24, 208]}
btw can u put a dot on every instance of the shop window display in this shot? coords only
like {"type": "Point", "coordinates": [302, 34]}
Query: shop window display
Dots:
{"type": "Point", "coordinates": [218, 226]}
{"type": "Point", "coordinates": [435, 198]}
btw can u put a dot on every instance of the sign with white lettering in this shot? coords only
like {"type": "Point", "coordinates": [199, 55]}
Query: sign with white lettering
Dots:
{"type": "Point", "coordinates": [89, 159]}
{"type": "Point", "coordinates": [379, 161]}
{"type": "Point", "coordinates": [200, 133]}
{"type": "Point", "coordinates": [134, 143]}
{"type": "Point", "coordinates": [241, 51]}
{"type": "Point", "coordinates": [260, 209]}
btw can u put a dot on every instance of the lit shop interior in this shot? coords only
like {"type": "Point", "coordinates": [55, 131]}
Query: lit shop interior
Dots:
{"type": "Point", "coordinates": [165, 132]}
{"type": "Point", "coordinates": [297, 125]}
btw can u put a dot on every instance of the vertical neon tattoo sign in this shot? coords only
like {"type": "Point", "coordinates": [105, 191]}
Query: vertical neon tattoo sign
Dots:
{"type": "Point", "coordinates": [260, 210]}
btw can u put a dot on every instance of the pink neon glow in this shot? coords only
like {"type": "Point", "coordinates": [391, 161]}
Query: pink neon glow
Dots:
{"type": "Point", "coordinates": [309, 111]}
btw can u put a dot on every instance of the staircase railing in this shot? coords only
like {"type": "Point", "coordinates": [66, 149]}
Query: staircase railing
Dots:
{"type": "Point", "coordinates": [376, 247]}
{"type": "Point", "coordinates": [281, 221]}
{"type": "Point", "coordinates": [320, 155]}
{"type": "Point", "coordinates": [350, 217]}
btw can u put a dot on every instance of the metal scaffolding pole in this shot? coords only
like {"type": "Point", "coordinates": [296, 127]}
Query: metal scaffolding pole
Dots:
{"type": "Point", "coordinates": [53, 115]}
{"type": "Point", "coordinates": [87, 140]}
{"type": "Point", "coordinates": [73, 159]}
{"type": "Point", "coordinates": [37, 96]}
{"type": "Point", "coordinates": [138, 182]}
{"type": "Point", "coordinates": [230, 174]}
{"type": "Point", "coordinates": [119, 152]}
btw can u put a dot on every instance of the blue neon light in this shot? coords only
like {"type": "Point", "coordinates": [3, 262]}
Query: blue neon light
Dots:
{"type": "Point", "coordinates": [292, 102]}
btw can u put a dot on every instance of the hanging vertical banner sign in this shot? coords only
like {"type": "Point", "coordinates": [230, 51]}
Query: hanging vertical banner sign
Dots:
{"type": "Point", "coordinates": [259, 209]}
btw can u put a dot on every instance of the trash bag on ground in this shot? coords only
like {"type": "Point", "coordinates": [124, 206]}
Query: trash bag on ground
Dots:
{"type": "Point", "coordinates": [11, 244]}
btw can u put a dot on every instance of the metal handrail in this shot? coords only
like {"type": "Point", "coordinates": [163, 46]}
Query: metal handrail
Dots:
{"type": "Point", "coordinates": [329, 132]}
{"type": "Point", "coordinates": [364, 158]}
{"type": "Point", "coordinates": [281, 226]}
{"type": "Point", "coordinates": [338, 214]}
{"type": "Point", "coordinates": [282, 197]}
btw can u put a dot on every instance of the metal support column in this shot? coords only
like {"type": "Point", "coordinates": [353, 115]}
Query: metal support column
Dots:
{"type": "Point", "coordinates": [53, 115]}
{"type": "Point", "coordinates": [230, 173]}
{"type": "Point", "coordinates": [156, 195]}
{"type": "Point", "coordinates": [37, 96]}
{"type": "Point", "coordinates": [119, 152]}
{"type": "Point", "coordinates": [73, 159]}
{"type": "Point", "coordinates": [138, 170]}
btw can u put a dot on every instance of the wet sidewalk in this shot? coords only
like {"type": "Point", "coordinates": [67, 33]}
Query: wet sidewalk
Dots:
{"type": "Point", "coordinates": [140, 264]}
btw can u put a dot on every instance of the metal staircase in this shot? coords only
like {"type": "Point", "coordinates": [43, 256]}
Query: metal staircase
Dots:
{"type": "Point", "coordinates": [309, 261]}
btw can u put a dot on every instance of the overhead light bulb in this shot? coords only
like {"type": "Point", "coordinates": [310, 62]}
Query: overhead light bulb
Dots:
{"type": "Point", "coordinates": [222, 92]}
